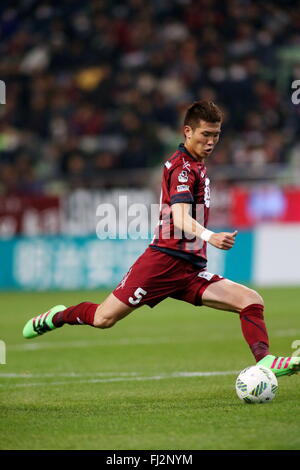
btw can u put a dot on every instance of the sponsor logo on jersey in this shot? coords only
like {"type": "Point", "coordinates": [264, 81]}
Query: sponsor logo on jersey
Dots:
{"type": "Point", "coordinates": [168, 165]}
{"type": "Point", "coordinates": [183, 177]}
{"type": "Point", "coordinates": [207, 192]}
{"type": "Point", "coordinates": [183, 187]}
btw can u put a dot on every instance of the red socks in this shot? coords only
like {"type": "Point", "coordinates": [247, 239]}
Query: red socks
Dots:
{"type": "Point", "coordinates": [254, 330]}
{"type": "Point", "coordinates": [81, 314]}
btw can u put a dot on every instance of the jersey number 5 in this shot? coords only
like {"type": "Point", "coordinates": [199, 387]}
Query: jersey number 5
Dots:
{"type": "Point", "coordinates": [139, 295]}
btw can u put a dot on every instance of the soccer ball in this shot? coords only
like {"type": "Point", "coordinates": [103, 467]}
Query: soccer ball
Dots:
{"type": "Point", "coordinates": [256, 384]}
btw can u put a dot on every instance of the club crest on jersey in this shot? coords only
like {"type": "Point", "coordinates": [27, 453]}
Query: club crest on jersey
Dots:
{"type": "Point", "coordinates": [183, 177]}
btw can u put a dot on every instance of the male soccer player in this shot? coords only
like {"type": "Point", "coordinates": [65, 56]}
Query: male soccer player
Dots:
{"type": "Point", "coordinates": [174, 264]}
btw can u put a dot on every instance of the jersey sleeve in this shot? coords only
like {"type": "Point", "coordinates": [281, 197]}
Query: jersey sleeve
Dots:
{"type": "Point", "coordinates": [181, 186]}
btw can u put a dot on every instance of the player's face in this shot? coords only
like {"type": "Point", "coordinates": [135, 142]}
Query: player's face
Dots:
{"type": "Point", "coordinates": [201, 141]}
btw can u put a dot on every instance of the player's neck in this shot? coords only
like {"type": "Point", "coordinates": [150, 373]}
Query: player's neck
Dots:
{"type": "Point", "coordinates": [190, 150]}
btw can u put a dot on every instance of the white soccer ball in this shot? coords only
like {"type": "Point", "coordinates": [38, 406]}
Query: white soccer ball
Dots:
{"type": "Point", "coordinates": [256, 384]}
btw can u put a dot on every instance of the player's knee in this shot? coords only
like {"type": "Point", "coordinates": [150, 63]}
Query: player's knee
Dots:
{"type": "Point", "coordinates": [104, 322]}
{"type": "Point", "coordinates": [252, 297]}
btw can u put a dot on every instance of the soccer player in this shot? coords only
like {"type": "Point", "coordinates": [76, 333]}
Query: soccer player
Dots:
{"type": "Point", "coordinates": [174, 264]}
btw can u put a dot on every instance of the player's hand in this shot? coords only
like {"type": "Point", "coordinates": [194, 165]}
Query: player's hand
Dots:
{"type": "Point", "coordinates": [223, 240]}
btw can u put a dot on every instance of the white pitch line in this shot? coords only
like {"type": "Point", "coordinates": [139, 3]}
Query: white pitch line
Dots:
{"type": "Point", "coordinates": [126, 379]}
{"type": "Point", "coordinates": [24, 375]}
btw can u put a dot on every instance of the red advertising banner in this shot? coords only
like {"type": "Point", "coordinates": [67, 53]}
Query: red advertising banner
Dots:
{"type": "Point", "coordinates": [30, 215]}
{"type": "Point", "coordinates": [264, 203]}
{"type": "Point", "coordinates": [236, 207]}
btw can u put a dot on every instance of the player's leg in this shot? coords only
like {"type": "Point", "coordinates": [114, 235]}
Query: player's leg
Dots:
{"type": "Point", "coordinates": [115, 306]}
{"type": "Point", "coordinates": [103, 315]}
{"type": "Point", "coordinates": [148, 282]}
{"type": "Point", "coordinates": [110, 312]}
{"type": "Point", "coordinates": [230, 296]}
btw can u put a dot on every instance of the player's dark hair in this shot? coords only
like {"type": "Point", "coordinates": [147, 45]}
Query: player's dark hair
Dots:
{"type": "Point", "coordinates": [204, 110]}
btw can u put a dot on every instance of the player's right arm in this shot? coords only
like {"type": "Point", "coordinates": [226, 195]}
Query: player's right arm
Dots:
{"type": "Point", "coordinates": [188, 225]}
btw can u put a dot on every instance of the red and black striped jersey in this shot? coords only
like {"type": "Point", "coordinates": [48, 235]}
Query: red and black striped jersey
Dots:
{"type": "Point", "coordinates": [184, 180]}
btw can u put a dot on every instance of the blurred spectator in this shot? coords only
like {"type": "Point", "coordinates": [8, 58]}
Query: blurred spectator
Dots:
{"type": "Point", "coordinates": [100, 85]}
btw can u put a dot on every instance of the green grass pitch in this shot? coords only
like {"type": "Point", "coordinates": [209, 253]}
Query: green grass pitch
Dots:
{"type": "Point", "coordinates": [139, 385]}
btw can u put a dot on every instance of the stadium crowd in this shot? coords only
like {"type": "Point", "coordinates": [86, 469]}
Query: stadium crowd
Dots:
{"type": "Point", "coordinates": [102, 85]}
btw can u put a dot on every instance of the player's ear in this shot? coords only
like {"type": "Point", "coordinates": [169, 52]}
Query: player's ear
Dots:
{"type": "Point", "coordinates": [188, 131]}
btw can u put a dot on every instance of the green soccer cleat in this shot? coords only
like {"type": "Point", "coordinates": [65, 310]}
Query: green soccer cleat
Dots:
{"type": "Point", "coordinates": [40, 324]}
{"type": "Point", "coordinates": [281, 365]}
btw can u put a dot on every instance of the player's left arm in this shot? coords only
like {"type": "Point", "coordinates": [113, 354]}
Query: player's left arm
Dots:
{"type": "Point", "coordinates": [189, 226]}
